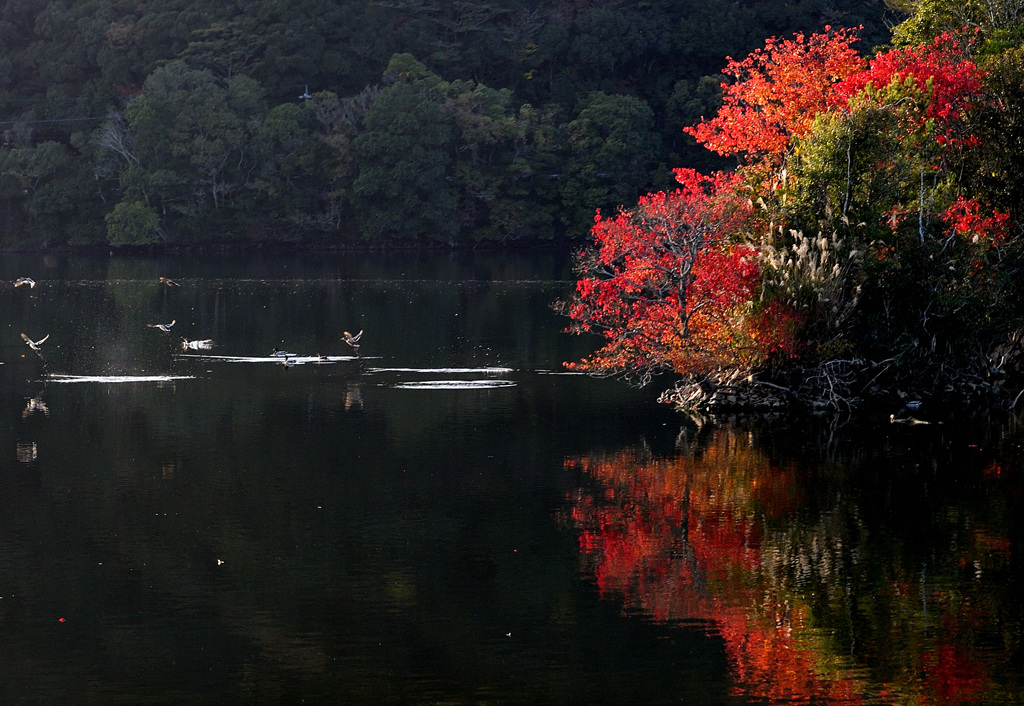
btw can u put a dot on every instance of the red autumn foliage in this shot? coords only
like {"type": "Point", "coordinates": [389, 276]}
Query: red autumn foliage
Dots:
{"type": "Point", "coordinates": [667, 289]}
{"type": "Point", "coordinates": [943, 71]}
{"type": "Point", "coordinates": [964, 217]}
{"type": "Point", "coordinates": [671, 286]}
{"type": "Point", "coordinates": [777, 92]}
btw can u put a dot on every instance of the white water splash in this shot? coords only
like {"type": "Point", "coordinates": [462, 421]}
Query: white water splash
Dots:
{"type": "Point", "coordinates": [453, 384]}
{"type": "Point", "coordinates": [279, 360]}
{"type": "Point", "coordinates": [117, 378]}
{"type": "Point", "coordinates": [458, 371]}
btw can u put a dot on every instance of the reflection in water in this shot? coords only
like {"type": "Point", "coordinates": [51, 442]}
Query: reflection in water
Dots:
{"type": "Point", "coordinates": [33, 406]}
{"type": "Point", "coordinates": [26, 452]}
{"type": "Point", "coordinates": [353, 396]}
{"type": "Point", "coordinates": [784, 563]}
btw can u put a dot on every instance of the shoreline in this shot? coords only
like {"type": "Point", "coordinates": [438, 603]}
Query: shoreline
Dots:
{"type": "Point", "coordinates": [914, 395]}
{"type": "Point", "coordinates": [565, 245]}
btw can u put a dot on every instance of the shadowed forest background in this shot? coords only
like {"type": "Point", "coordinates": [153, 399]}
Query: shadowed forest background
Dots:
{"type": "Point", "coordinates": [346, 122]}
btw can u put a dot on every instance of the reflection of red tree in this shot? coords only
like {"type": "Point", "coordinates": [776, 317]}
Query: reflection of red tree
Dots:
{"type": "Point", "coordinates": [952, 678]}
{"type": "Point", "coordinates": [684, 540]}
{"type": "Point", "coordinates": [676, 539]}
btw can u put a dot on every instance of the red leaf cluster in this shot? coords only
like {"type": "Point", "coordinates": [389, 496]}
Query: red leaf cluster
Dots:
{"type": "Point", "coordinates": [666, 286]}
{"type": "Point", "coordinates": [777, 92]}
{"type": "Point", "coordinates": [943, 69]}
{"type": "Point", "coordinates": [964, 217]}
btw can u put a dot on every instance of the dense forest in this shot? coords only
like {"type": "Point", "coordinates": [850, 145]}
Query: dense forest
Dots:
{"type": "Point", "coordinates": [348, 122]}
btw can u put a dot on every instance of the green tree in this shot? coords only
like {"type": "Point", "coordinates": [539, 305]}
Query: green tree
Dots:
{"type": "Point", "coordinates": [339, 121]}
{"type": "Point", "coordinates": [488, 133]}
{"type": "Point", "coordinates": [405, 187]}
{"type": "Point", "coordinates": [192, 133]}
{"type": "Point", "coordinates": [887, 174]}
{"type": "Point", "coordinates": [227, 48]}
{"type": "Point", "coordinates": [999, 20]}
{"type": "Point", "coordinates": [132, 223]}
{"type": "Point", "coordinates": [292, 180]}
{"type": "Point", "coordinates": [45, 187]}
{"type": "Point", "coordinates": [999, 172]}
{"type": "Point", "coordinates": [612, 153]}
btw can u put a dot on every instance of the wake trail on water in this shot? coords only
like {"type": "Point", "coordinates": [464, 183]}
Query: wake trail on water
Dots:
{"type": "Point", "coordinates": [60, 378]}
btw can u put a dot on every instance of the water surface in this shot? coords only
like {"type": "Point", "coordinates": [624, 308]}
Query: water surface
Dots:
{"type": "Point", "coordinates": [444, 515]}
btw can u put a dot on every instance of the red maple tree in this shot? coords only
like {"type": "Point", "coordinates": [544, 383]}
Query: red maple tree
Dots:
{"type": "Point", "coordinates": [777, 92]}
{"type": "Point", "coordinates": [668, 286]}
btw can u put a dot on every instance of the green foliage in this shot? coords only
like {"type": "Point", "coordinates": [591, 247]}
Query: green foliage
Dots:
{"type": "Point", "coordinates": [44, 184]}
{"type": "Point", "coordinates": [404, 184]}
{"type": "Point", "coordinates": [1000, 20]}
{"type": "Point", "coordinates": [612, 151]}
{"type": "Point", "coordinates": [194, 109]}
{"type": "Point", "coordinates": [132, 223]}
{"type": "Point", "coordinates": [191, 133]}
{"type": "Point", "coordinates": [885, 174]}
{"type": "Point", "coordinates": [998, 173]}
{"type": "Point", "coordinates": [689, 103]}
{"type": "Point", "coordinates": [864, 166]}
{"type": "Point", "coordinates": [286, 179]}
{"type": "Point", "coordinates": [226, 48]}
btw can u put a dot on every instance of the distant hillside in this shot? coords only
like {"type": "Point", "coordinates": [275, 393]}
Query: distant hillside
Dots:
{"type": "Point", "coordinates": [349, 121]}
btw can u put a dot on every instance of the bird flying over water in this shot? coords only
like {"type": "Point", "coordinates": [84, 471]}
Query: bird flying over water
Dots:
{"type": "Point", "coordinates": [34, 345]}
{"type": "Point", "coordinates": [25, 280]}
{"type": "Point", "coordinates": [169, 282]}
{"type": "Point", "coordinates": [162, 327]}
{"type": "Point", "coordinates": [352, 339]}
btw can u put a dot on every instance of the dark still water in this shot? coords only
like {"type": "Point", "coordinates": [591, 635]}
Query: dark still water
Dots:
{"type": "Point", "coordinates": [441, 516]}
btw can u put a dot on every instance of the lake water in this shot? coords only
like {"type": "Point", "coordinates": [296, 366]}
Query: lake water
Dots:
{"type": "Point", "coordinates": [444, 516]}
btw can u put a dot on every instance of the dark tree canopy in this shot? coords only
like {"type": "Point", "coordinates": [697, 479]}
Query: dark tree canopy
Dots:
{"type": "Point", "coordinates": [272, 119]}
